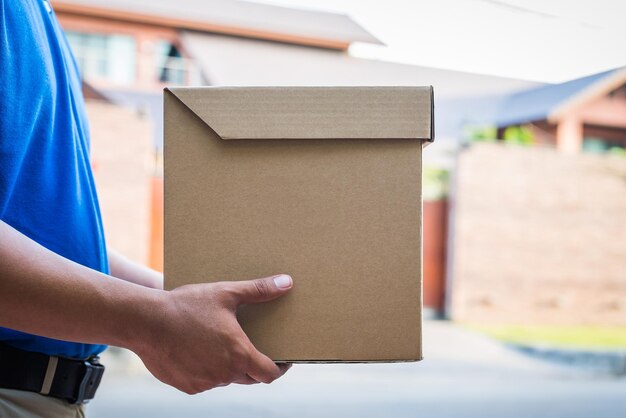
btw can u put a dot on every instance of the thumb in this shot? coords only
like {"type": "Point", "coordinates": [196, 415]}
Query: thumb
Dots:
{"type": "Point", "coordinates": [262, 290]}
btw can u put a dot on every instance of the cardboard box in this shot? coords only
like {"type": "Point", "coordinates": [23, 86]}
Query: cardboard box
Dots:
{"type": "Point", "coordinates": [322, 183]}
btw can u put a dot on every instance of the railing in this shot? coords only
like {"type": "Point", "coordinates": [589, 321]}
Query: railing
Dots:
{"type": "Point", "coordinates": [145, 74]}
{"type": "Point", "coordinates": [179, 71]}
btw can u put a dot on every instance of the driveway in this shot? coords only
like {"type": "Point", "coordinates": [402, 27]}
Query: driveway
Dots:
{"type": "Point", "coordinates": [463, 375]}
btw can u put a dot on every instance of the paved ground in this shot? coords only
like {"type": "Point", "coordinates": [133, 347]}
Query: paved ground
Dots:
{"type": "Point", "coordinates": [463, 375]}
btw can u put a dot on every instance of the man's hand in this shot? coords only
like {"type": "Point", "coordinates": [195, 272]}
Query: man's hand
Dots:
{"type": "Point", "coordinates": [196, 343]}
{"type": "Point", "coordinates": [188, 338]}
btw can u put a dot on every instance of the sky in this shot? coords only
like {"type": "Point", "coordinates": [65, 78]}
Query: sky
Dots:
{"type": "Point", "coordinates": [542, 40]}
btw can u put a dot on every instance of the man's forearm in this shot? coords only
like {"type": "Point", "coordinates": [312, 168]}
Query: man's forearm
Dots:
{"type": "Point", "coordinates": [188, 337]}
{"type": "Point", "coordinates": [45, 294]}
{"type": "Point", "coordinates": [125, 269]}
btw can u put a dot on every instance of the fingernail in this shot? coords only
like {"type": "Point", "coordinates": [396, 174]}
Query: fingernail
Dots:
{"type": "Point", "coordinates": [283, 281]}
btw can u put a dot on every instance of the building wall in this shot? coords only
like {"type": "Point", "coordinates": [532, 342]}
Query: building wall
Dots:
{"type": "Point", "coordinates": [540, 238]}
{"type": "Point", "coordinates": [147, 54]}
{"type": "Point", "coordinates": [544, 133]}
{"type": "Point", "coordinates": [120, 153]}
{"type": "Point", "coordinates": [607, 111]}
{"type": "Point", "coordinates": [603, 112]}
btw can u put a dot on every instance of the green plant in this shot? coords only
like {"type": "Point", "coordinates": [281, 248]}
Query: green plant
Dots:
{"type": "Point", "coordinates": [518, 135]}
{"type": "Point", "coordinates": [620, 152]}
{"type": "Point", "coordinates": [435, 182]}
{"type": "Point", "coordinates": [481, 133]}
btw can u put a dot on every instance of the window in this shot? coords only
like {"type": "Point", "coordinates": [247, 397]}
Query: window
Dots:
{"type": "Point", "coordinates": [170, 65]}
{"type": "Point", "coordinates": [596, 145]}
{"type": "Point", "coordinates": [103, 57]}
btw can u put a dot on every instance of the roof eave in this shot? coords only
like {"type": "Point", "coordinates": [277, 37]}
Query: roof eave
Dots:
{"type": "Point", "coordinates": [211, 27]}
{"type": "Point", "coordinates": [591, 92]}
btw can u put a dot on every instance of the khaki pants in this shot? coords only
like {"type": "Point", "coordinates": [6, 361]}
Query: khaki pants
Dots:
{"type": "Point", "coordinates": [22, 404]}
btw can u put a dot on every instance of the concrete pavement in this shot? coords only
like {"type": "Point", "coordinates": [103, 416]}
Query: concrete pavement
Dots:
{"type": "Point", "coordinates": [463, 375]}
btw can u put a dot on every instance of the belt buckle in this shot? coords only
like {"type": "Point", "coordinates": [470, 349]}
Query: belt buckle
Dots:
{"type": "Point", "coordinates": [90, 381]}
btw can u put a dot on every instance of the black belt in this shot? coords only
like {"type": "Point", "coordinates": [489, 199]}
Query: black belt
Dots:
{"type": "Point", "coordinates": [76, 381]}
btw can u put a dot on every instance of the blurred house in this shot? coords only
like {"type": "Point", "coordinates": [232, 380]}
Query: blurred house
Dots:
{"type": "Point", "coordinates": [539, 231]}
{"type": "Point", "coordinates": [586, 114]}
{"type": "Point", "coordinates": [128, 50]}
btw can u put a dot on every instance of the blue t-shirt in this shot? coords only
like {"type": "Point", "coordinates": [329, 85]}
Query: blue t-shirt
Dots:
{"type": "Point", "coordinates": [47, 190]}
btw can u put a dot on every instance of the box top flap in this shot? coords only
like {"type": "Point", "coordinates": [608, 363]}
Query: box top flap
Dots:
{"type": "Point", "coordinates": [313, 112]}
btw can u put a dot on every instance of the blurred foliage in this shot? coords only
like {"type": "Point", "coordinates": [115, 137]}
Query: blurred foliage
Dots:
{"type": "Point", "coordinates": [617, 151]}
{"type": "Point", "coordinates": [435, 183]}
{"type": "Point", "coordinates": [481, 134]}
{"type": "Point", "coordinates": [518, 135]}
{"type": "Point", "coordinates": [558, 336]}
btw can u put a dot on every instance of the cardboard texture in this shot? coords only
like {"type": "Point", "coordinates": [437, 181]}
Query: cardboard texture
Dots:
{"type": "Point", "coordinates": [322, 183]}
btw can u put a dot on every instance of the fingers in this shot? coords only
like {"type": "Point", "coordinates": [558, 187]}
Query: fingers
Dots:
{"type": "Point", "coordinates": [284, 367]}
{"type": "Point", "coordinates": [261, 290]}
{"type": "Point", "coordinates": [246, 380]}
{"type": "Point", "coordinates": [262, 369]}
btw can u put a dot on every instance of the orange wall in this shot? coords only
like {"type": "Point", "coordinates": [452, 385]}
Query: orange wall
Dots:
{"type": "Point", "coordinates": [435, 224]}
{"type": "Point", "coordinates": [156, 223]}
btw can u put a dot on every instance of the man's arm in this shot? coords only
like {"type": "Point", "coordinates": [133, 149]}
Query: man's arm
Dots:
{"type": "Point", "coordinates": [188, 338]}
{"type": "Point", "coordinates": [125, 269]}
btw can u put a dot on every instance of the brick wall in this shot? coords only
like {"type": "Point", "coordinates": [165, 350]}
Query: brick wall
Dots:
{"type": "Point", "coordinates": [539, 237]}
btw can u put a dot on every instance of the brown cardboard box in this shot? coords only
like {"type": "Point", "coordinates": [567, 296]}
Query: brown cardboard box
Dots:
{"type": "Point", "coordinates": [322, 183]}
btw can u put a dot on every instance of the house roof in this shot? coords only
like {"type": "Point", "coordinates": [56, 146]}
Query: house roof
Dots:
{"type": "Point", "coordinates": [227, 60]}
{"type": "Point", "coordinates": [551, 101]}
{"type": "Point", "coordinates": [233, 17]}
{"type": "Point", "coordinates": [231, 61]}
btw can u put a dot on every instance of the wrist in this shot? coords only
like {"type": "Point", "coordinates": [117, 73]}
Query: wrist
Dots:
{"type": "Point", "coordinates": [142, 316]}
